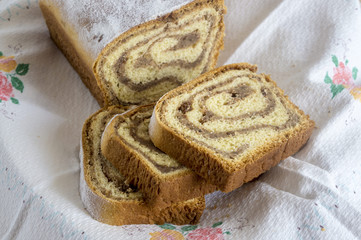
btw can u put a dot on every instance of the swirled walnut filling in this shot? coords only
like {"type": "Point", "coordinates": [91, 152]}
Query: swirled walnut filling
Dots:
{"type": "Point", "coordinates": [231, 113]}
{"type": "Point", "coordinates": [164, 54]}
{"type": "Point", "coordinates": [104, 176]}
{"type": "Point", "coordinates": [134, 132]}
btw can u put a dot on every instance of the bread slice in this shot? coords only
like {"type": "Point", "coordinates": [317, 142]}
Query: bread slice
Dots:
{"type": "Point", "coordinates": [132, 52]}
{"type": "Point", "coordinates": [229, 125]}
{"type": "Point", "coordinates": [108, 197]}
{"type": "Point", "coordinates": [162, 180]}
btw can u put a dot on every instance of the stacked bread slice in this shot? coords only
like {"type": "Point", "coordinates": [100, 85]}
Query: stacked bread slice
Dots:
{"type": "Point", "coordinates": [106, 193]}
{"type": "Point", "coordinates": [229, 125]}
{"type": "Point", "coordinates": [163, 180]}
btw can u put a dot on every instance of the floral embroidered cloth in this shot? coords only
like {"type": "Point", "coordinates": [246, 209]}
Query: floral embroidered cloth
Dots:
{"type": "Point", "coordinates": [312, 49]}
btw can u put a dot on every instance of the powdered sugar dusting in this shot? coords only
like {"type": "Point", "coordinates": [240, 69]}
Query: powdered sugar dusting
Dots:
{"type": "Point", "coordinates": [98, 22]}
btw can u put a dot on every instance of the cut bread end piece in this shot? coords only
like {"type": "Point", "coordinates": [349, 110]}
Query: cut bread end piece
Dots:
{"type": "Point", "coordinates": [142, 64]}
{"type": "Point", "coordinates": [163, 181]}
{"type": "Point", "coordinates": [106, 194]}
{"type": "Point", "coordinates": [229, 125]}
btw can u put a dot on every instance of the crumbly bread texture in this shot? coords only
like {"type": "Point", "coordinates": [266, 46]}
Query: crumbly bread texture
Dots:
{"type": "Point", "coordinates": [125, 55]}
{"type": "Point", "coordinates": [163, 181]}
{"type": "Point", "coordinates": [106, 194]}
{"type": "Point", "coordinates": [229, 125]}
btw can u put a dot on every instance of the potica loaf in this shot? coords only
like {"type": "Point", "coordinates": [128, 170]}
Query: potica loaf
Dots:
{"type": "Point", "coordinates": [132, 52]}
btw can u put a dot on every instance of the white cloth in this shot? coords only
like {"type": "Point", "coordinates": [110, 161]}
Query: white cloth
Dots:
{"type": "Point", "coordinates": [315, 194]}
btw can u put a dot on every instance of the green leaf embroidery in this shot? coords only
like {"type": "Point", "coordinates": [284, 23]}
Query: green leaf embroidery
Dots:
{"type": "Point", "coordinates": [1, 53]}
{"type": "Point", "coordinates": [327, 79]}
{"type": "Point", "coordinates": [14, 100]}
{"type": "Point", "coordinates": [217, 224]}
{"type": "Point", "coordinates": [189, 228]}
{"type": "Point", "coordinates": [354, 73]}
{"type": "Point", "coordinates": [335, 60]}
{"type": "Point", "coordinates": [17, 83]}
{"type": "Point", "coordinates": [346, 62]}
{"type": "Point", "coordinates": [167, 226]}
{"type": "Point", "coordinates": [336, 89]}
{"type": "Point", "coordinates": [0, 100]}
{"type": "Point", "coordinates": [227, 232]}
{"type": "Point", "coordinates": [22, 69]}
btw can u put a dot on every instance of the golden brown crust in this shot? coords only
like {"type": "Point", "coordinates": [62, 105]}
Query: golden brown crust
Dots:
{"type": "Point", "coordinates": [172, 16]}
{"type": "Point", "coordinates": [159, 190]}
{"type": "Point", "coordinates": [61, 38]}
{"type": "Point", "coordinates": [121, 212]}
{"type": "Point", "coordinates": [226, 176]}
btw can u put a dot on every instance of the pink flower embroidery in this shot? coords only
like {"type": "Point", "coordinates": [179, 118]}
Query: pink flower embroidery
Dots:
{"type": "Point", "coordinates": [6, 89]}
{"type": "Point", "coordinates": [206, 234]}
{"type": "Point", "coordinates": [342, 74]}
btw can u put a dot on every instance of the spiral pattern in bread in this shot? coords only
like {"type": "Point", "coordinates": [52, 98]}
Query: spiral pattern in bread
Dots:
{"type": "Point", "coordinates": [231, 115]}
{"type": "Point", "coordinates": [162, 179]}
{"type": "Point", "coordinates": [109, 197]}
{"type": "Point", "coordinates": [149, 60]}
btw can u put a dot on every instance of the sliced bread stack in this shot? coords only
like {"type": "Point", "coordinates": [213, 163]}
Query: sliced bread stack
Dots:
{"type": "Point", "coordinates": [129, 53]}
{"type": "Point", "coordinates": [218, 131]}
{"type": "Point", "coordinates": [162, 179]}
{"type": "Point", "coordinates": [227, 127]}
{"type": "Point", "coordinates": [106, 193]}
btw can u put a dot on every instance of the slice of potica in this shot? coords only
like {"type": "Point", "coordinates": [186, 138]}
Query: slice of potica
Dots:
{"type": "Point", "coordinates": [108, 197]}
{"type": "Point", "coordinates": [229, 125]}
{"type": "Point", "coordinates": [163, 180]}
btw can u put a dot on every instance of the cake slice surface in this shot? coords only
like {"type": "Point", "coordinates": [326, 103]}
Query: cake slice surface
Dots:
{"type": "Point", "coordinates": [229, 125]}
{"type": "Point", "coordinates": [126, 144]}
{"type": "Point", "coordinates": [106, 194]}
